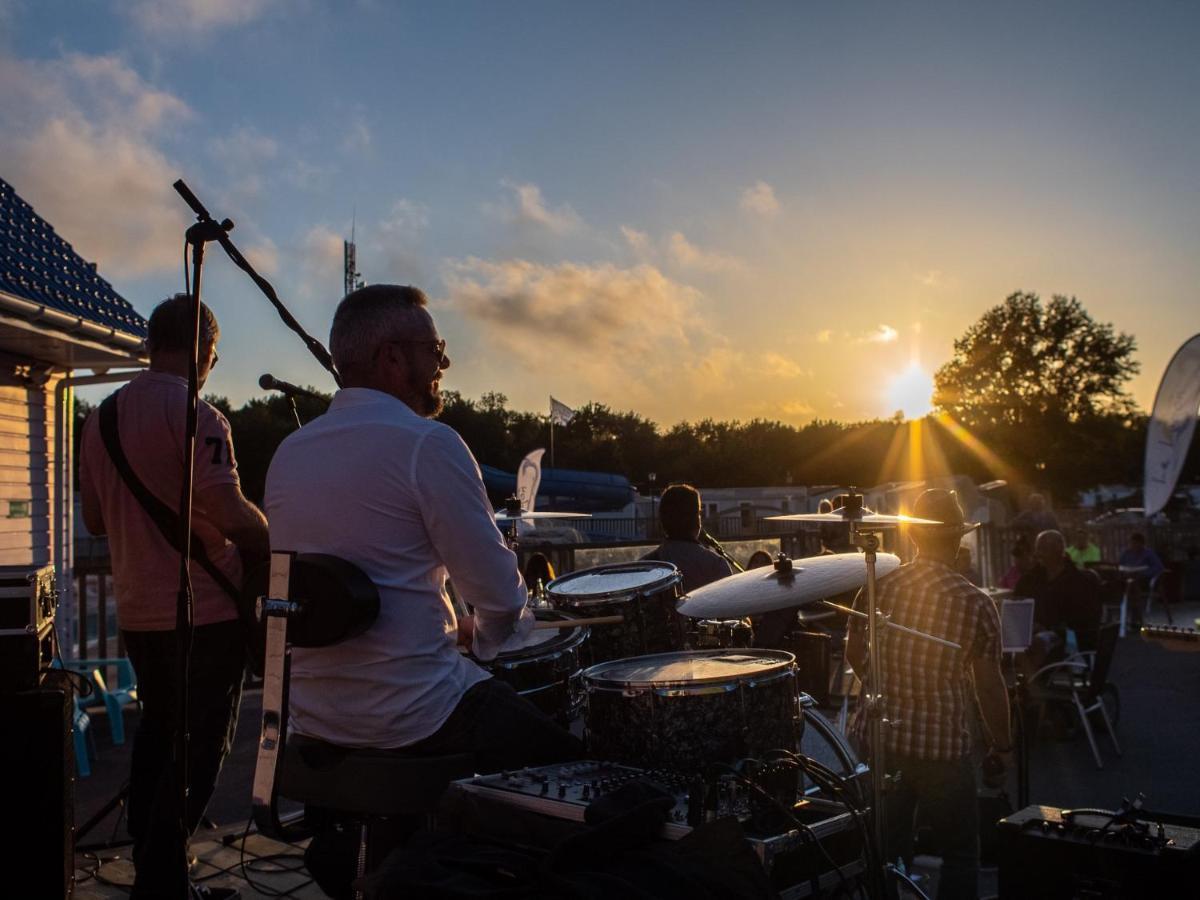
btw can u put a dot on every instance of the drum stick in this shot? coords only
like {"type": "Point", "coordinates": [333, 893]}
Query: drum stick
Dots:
{"type": "Point", "coordinates": [576, 623]}
{"type": "Point", "coordinates": [904, 628]}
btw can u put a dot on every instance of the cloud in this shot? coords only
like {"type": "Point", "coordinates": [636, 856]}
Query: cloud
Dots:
{"type": "Point", "coordinates": [528, 208]}
{"type": "Point", "coordinates": [688, 256]}
{"type": "Point", "coordinates": [79, 139]}
{"type": "Point", "coordinates": [358, 135]}
{"type": "Point", "coordinates": [264, 256]}
{"type": "Point", "coordinates": [884, 334]}
{"type": "Point", "coordinates": [171, 17]}
{"type": "Point", "coordinates": [782, 367]}
{"type": "Point", "coordinates": [595, 308]}
{"type": "Point", "coordinates": [824, 336]}
{"type": "Point", "coordinates": [630, 336]}
{"type": "Point", "coordinates": [934, 278]}
{"type": "Point", "coordinates": [243, 147]}
{"type": "Point", "coordinates": [321, 252]}
{"type": "Point", "coordinates": [638, 241]}
{"type": "Point", "coordinates": [396, 241]}
{"type": "Point", "coordinates": [797, 409]}
{"type": "Point", "coordinates": [760, 199]}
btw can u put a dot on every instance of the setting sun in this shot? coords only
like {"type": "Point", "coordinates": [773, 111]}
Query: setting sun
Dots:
{"type": "Point", "coordinates": [911, 392]}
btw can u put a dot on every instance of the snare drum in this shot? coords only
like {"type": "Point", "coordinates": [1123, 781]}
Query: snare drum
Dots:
{"type": "Point", "coordinates": [684, 711]}
{"type": "Point", "coordinates": [644, 593]}
{"type": "Point", "coordinates": [547, 671]}
{"type": "Point", "coordinates": [720, 634]}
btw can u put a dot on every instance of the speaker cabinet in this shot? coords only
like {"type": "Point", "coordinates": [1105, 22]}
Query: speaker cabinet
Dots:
{"type": "Point", "coordinates": [38, 821]}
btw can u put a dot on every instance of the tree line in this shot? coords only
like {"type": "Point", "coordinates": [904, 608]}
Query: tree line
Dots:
{"type": "Point", "coordinates": [1034, 394]}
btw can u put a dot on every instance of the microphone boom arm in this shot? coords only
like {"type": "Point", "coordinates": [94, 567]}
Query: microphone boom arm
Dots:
{"type": "Point", "coordinates": [315, 347]}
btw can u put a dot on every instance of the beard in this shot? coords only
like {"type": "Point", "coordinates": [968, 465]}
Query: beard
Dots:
{"type": "Point", "coordinates": [429, 397]}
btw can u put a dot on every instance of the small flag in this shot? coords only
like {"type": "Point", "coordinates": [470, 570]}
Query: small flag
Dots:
{"type": "Point", "coordinates": [560, 413]}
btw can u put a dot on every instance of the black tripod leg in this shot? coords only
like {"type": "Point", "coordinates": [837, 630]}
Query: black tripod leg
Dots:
{"type": "Point", "coordinates": [105, 811]}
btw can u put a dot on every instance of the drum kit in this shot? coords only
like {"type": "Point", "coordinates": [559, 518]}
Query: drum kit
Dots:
{"type": "Point", "coordinates": [665, 680]}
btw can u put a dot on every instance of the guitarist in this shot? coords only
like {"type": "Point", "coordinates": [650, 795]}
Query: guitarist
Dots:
{"type": "Point", "coordinates": [131, 476]}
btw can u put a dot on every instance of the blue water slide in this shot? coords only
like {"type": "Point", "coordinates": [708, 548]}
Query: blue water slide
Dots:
{"type": "Point", "coordinates": [566, 489]}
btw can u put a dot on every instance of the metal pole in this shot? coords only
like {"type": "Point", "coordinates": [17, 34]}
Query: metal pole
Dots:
{"type": "Point", "coordinates": [874, 698]}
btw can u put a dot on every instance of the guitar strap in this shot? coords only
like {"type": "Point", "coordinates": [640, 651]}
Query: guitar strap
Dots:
{"type": "Point", "coordinates": [165, 518]}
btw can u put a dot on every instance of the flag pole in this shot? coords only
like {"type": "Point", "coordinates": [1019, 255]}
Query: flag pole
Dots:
{"type": "Point", "coordinates": [552, 439]}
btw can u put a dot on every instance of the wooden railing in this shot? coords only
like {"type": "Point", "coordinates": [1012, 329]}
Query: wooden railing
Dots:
{"type": "Point", "coordinates": [95, 639]}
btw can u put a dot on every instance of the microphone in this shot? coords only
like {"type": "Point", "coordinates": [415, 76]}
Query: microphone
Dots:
{"type": "Point", "coordinates": [269, 382]}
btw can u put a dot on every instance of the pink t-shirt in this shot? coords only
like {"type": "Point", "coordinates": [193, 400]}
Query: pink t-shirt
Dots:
{"type": "Point", "coordinates": [151, 414]}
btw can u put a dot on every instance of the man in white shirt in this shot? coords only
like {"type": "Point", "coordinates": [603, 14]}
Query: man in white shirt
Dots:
{"type": "Point", "coordinates": [377, 482]}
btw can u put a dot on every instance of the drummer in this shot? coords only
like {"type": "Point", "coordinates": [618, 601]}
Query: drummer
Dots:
{"type": "Point", "coordinates": [679, 513]}
{"type": "Point", "coordinates": [378, 482]}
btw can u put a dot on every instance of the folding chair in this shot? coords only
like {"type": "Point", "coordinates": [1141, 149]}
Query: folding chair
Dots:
{"type": "Point", "coordinates": [1080, 679]}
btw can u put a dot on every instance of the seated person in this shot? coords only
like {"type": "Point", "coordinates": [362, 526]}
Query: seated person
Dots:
{"type": "Point", "coordinates": [679, 513]}
{"type": "Point", "coordinates": [379, 483]}
{"type": "Point", "coordinates": [1065, 596]}
{"type": "Point", "coordinates": [760, 558]}
{"type": "Point", "coordinates": [1083, 550]}
{"type": "Point", "coordinates": [1022, 562]}
{"type": "Point", "coordinates": [1140, 565]}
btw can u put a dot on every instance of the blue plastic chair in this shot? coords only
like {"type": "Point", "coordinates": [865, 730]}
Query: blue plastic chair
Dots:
{"type": "Point", "coordinates": [79, 731]}
{"type": "Point", "coordinates": [114, 699]}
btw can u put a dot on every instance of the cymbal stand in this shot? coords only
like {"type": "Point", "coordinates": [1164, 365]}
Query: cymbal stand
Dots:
{"type": "Point", "coordinates": [873, 701]}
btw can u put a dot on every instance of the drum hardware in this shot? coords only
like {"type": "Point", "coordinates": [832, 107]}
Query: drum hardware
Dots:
{"type": "Point", "coordinates": [577, 622]}
{"type": "Point", "coordinates": [513, 513]}
{"type": "Point", "coordinates": [720, 634]}
{"type": "Point", "coordinates": [865, 528]}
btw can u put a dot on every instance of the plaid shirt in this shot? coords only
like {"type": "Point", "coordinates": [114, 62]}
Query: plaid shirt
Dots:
{"type": "Point", "coordinates": [926, 686]}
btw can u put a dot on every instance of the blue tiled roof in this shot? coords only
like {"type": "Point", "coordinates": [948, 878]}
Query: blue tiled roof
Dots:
{"type": "Point", "coordinates": [38, 265]}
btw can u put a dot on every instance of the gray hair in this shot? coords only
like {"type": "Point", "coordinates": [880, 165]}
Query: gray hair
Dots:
{"type": "Point", "coordinates": [369, 317]}
{"type": "Point", "coordinates": [1050, 537]}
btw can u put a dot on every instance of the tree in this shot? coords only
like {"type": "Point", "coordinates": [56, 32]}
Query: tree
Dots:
{"type": "Point", "coordinates": [1043, 386]}
{"type": "Point", "coordinates": [1024, 361]}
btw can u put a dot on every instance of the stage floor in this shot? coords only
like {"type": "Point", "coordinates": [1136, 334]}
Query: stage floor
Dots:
{"type": "Point", "coordinates": [1159, 729]}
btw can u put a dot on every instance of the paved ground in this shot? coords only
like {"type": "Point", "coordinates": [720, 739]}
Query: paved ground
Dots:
{"type": "Point", "coordinates": [1159, 731]}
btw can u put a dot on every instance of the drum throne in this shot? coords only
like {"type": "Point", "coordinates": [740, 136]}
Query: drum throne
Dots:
{"type": "Point", "coordinates": [315, 600]}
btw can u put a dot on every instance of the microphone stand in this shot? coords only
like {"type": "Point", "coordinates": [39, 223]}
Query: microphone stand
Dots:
{"type": "Point", "coordinates": [712, 544]}
{"type": "Point", "coordinates": [197, 235]}
{"type": "Point", "coordinates": [204, 230]}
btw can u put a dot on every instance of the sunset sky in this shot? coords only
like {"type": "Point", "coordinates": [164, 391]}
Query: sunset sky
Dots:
{"type": "Point", "coordinates": [685, 209]}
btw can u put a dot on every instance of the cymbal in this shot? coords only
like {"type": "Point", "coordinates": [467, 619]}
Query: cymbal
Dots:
{"type": "Point", "coordinates": [761, 590]}
{"type": "Point", "coordinates": [504, 515]}
{"type": "Point", "coordinates": [862, 515]}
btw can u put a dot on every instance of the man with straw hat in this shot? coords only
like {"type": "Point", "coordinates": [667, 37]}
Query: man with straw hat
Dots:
{"type": "Point", "coordinates": [927, 690]}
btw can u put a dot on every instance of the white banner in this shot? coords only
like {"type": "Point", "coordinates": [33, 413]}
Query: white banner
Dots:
{"type": "Point", "coordinates": [560, 413]}
{"type": "Point", "coordinates": [1172, 425]}
{"type": "Point", "coordinates": [529, 478]}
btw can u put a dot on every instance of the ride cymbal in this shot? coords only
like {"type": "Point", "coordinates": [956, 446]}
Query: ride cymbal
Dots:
{"type": "Point", "coordinates": [808, 580]}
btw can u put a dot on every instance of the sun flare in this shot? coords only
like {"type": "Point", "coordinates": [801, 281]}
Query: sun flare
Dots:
{"type": "Point", "coordinates": [911, 392]}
